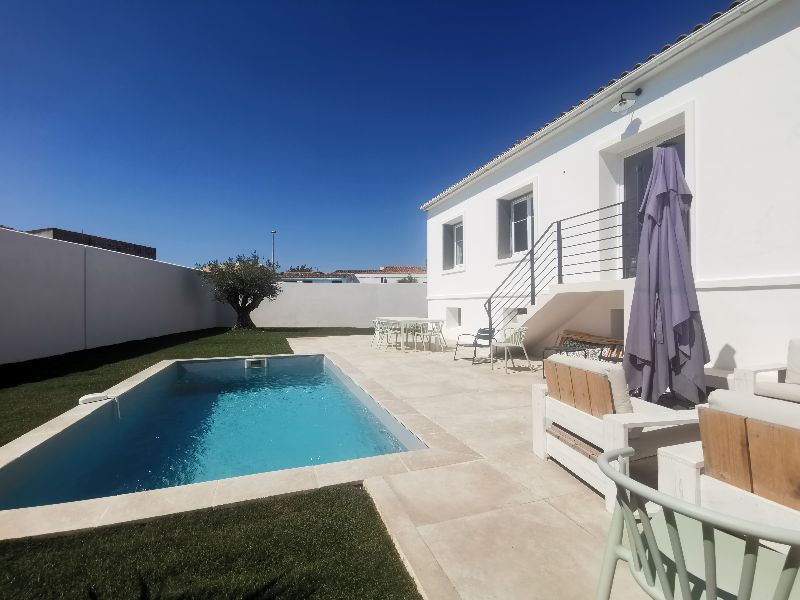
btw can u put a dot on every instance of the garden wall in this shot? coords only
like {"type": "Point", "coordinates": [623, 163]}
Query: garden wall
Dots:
{"type": "Point", "coordinates": [58, 297]}
{"type": "Point", "coordinates": [341, 304]}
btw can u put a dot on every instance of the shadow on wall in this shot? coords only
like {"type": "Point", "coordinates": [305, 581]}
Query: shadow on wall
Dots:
{"type": "Point", "coordinates": [726, 359]}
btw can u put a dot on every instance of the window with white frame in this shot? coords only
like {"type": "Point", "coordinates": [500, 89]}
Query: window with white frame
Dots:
{"type": "Point", "coordinates": [452, 245]}
{"type": "Point", "coordinates": [513, 225]}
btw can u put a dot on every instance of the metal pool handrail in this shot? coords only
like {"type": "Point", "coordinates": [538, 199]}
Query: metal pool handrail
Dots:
{"type": "Point", "coordinates": [644, 556]}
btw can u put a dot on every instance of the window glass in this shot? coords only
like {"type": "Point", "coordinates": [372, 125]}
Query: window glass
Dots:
{"type": "Point", "coordinates": [520, 210]}
{"type": "Point", "coordinates": [519, 224]}
{"type": "Point", "coordinates": [459, 244]}
{"type": "Point", "coordinates": [520, 235]}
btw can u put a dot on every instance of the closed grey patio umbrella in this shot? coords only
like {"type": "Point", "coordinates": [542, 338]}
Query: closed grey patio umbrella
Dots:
{"type": "Point", "coordinates": [666, 346]}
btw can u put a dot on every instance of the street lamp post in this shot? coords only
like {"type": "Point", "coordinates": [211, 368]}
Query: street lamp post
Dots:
{"type": "Point", "coordinates": [273, 248]}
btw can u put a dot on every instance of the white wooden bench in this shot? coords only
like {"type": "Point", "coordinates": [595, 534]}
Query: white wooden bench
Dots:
{"type": "Point", "coordinates": [584, 409]}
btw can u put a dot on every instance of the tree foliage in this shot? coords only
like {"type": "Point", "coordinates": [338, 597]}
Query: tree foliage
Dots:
{"type": "Point", "coordinates": [408, 279]}
{"type": "Point", "coordinates": [304, 268]}
{"type": "Point", "coordinates": [243, 282]}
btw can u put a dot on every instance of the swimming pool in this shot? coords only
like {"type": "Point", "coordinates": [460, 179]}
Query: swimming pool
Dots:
{"type": "Point", "coordinates": [197, 421]}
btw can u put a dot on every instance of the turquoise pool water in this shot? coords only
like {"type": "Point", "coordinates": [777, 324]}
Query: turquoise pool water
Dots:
{"type": "Point", "coordinates": [210, 420]}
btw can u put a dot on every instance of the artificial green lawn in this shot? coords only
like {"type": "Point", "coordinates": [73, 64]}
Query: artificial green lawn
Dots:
{"type": "Point", "coordinates": [328, 543]}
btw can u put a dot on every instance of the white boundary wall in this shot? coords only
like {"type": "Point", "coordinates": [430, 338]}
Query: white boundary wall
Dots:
{"type": "Point", "coordinates": [58, 297]}
{"type": "Point", "coordinates": [340, 304]}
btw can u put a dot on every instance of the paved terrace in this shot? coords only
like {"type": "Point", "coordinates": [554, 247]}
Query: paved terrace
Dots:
{"type": "Point", "coordinates": [483, 518]}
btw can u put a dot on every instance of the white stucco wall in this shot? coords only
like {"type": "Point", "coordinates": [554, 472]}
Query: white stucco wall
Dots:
{"type": "Point", "coordinates": [340, 305]}
{"type": "Point", "coordinates": [390, 277]}
{"type": "Point", "coordinates": [58, 297]}
{"type": "Point", "coordinates": [741, 159]}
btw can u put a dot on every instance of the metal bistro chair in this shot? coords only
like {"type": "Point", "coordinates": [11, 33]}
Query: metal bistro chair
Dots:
{"type": "Point", "coordinates": [384, 330]}
{"type": "Point", "coordinates": [482, 339]}
{"type": "Point", "coordinates": [434, 332]}
{"type": "Point", "coordinates": [689, 552]}
{"type": "Point", "coordinates": [512, 339]}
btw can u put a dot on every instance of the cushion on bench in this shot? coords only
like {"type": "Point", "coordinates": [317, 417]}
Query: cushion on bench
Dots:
{"type": "Point", "coordinates": [784, 392]}
{"type": "Point", "coordinates": [761, 408]}
{"type": "Point", "coordinates": [613, 372]}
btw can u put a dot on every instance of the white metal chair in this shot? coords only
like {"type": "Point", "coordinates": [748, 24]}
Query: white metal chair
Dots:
{"type": "Point", "coordinates": [384, 330]}
{"type": "Point", "coordinates": [676, 549]}
{"type": "Point", "coordinates": [513, 338]}
{"type": "Point", "coordinates": [429, 332]}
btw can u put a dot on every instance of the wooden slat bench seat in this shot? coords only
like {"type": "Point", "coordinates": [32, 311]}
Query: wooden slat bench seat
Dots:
{"type": "Point", "coordinates": [584, 409]}
{"type": "Point", "coordinates": [753, 455]}
{"type": "Point", "coordinates": [610, 349]}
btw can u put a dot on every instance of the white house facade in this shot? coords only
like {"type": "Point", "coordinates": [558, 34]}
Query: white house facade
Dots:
{"type": "Point", "coordinates": [728, 96]}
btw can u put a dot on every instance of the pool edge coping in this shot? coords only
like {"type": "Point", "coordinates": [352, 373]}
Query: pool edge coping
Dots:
{"type": "Point", "coordinates": [81, 515]}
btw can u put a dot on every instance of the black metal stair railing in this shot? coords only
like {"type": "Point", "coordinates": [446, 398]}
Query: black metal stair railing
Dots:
{"type": "Point", "coordinates": [603, 240]}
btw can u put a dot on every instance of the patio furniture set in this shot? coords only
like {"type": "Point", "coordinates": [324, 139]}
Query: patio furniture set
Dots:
{"type": "Point", "coordinates": [393, 332]}
{"type": "Point", "coordinates": [697, 495]}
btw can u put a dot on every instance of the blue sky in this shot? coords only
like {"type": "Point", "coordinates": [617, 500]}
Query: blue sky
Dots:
{"type": "Point", "coordinates": [198, 127]}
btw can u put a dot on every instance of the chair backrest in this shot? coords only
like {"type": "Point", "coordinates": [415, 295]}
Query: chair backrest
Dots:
{"type": "Point", "coordinates": [485, 334]}
{"type": "Point", "coordinates": [587, 391]}
{"type": "Point", "coordinates": [753, 443]}
{"type": "Point", "coordinates": [435, 327]}
{"type": "Point", "coordinates": [515, 335]}
{"type": "Point", "coordinates": [687, 549]}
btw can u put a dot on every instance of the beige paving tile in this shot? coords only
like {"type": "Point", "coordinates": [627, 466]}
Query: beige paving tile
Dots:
{"type": "Point", "coordinates": [587, 509]}
{"type": "Point", "coordinates": [430, 458]}
{"type": "Point", "coordinates": [352, 471]}
{"type": "Point", "coordinates": [529, 551]}
{"type": "Point", "coordinates": [423, 566]}
{"type": "Point", "coordinates": [40, 520]}
{"type": "Point", "coordinates": [490, 431]}
{"type": "Point", "coordinates": [439, 494]}
{"type": "Point", "coordinates": [261, 485]}
{"type": "Point", "coordinates": [156, 503]}
{"type": "Point", "coordinates": [545, 479]}
{"type": "Point", "coordinates": [447, 442]}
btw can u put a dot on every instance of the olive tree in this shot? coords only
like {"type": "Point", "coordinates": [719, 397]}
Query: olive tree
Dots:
{"type": "Point", "coordinates": [243, 282]}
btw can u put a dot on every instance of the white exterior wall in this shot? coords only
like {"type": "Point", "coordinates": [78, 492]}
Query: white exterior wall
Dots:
{"type": "Point", "coordinates": [741, 159]}
{"type": "Point", "coordinates": [390, 277]}
{"type": "Point", "coordinates": [59, 297]}
{"type": "Point", "coordinates": [340, 305]}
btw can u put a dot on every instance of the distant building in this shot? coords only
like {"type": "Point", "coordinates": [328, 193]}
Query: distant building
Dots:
{"type": "Point", "coordinates": [317, 277]}
{"type": "Point", "coordinates": [391, 274]}
{"type": "Point", "coordinates": [96, 241]}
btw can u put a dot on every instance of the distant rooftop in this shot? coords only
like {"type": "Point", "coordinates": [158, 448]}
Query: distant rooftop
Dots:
{"type": "Point", "coordinates": [391, 269]}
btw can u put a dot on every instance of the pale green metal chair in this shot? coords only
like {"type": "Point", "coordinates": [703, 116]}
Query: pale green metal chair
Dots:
{"type": "Point", "coordinates": [512, 338]}
{"type": "Point", "coordinates": [677, 550]}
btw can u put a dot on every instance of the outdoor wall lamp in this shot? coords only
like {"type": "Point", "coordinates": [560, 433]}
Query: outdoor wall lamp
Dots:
{"type": "Point", "coordinates": [626, 100]}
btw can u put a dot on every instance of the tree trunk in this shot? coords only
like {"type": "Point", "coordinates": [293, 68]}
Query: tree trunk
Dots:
{"type": "Point", "coordinates": [243, 320]}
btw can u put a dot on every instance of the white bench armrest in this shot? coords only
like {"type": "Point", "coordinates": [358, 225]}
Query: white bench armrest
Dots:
{"type": "Point", "coordinates": [763, 368]}
{"type": "Point", "coordinates": [630, 420]}
{"type": "Point", "coordinates": [744, 378]}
